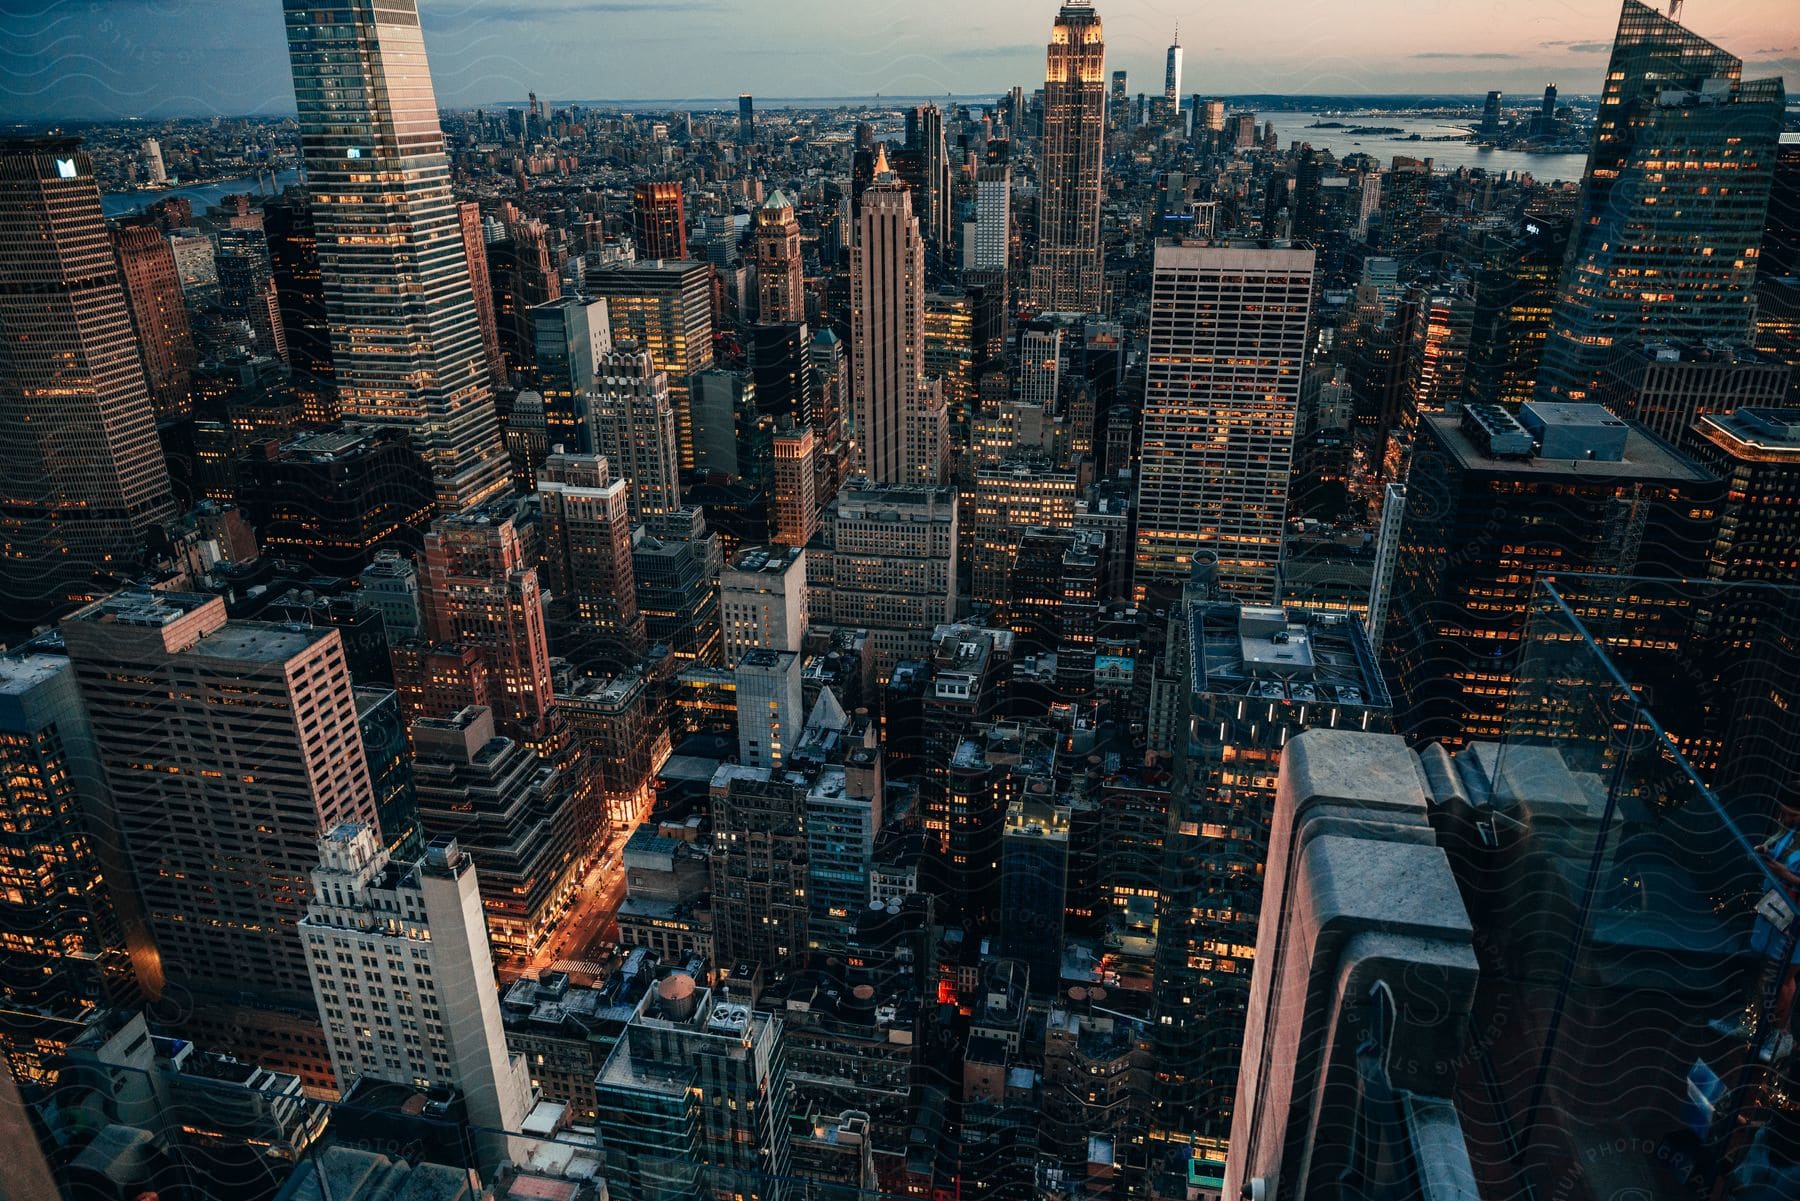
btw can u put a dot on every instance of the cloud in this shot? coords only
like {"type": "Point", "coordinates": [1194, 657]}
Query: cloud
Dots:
{"type": "Point", "coordinates": [1579, 47]}
{"type": "Point", "coordinates": [435, 17]}
{"type": "Point", "coordinates": [1452, 54]}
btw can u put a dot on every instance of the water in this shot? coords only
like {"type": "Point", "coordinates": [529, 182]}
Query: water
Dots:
{"type": "Point", "coordinates": [1447, 156]}
{"type": "Point", "coordinates": [202, 196]}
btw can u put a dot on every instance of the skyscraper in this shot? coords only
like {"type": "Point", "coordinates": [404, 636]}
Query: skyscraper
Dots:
{"type": "Point", "coordinates": [659, 220]}
{"type": "Point", "coordinates": [634, 428]}
{"type": "Point", "coordinates": [570, 335]}
{"type": "Point", "coordinates": [1068, 274]}
{"type": "Point", "coordinates": [300, 293]}
{"type": "Point", "coordinates": [993, 217]}
{"type": "Point", "coordinates": [587, 546]}
{"type": "Point", "coordinates": [1228, 327]}
{"type": "Point", "coordinates": [887, 325]}
{"type": "Point", "coordinates": [746, 130]}
{"type": "Point", "coordinates": [1672, 206]}
{"type": "Point", "coordinates": [406, 338]}
{"type": "Point", "coordinates": [667, 308]}
{"type": "Point", "coordinates": [1172, 79]}
{"type": "Point", "coordinates": [229, 748]}
{"type": "Point", "coordinates": [780, 279]}
{"type": "Point", "coordinates": [153, 290]}
{"type": "Point", "coordinates": [402, 974]}
{"type": "Point", "coordinates": [795, 513]}
{"type": "Point", "coordinates": [84, 476]}
{"type": "Point", "coordinates": [925, 145]}
{"type": "Point", "coordinates": [886, 560]}
{"type": "Point", "coordinates": [481, 287]}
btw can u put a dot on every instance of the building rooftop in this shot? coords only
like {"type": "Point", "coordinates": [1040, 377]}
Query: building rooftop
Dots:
{"type": "Point", "coordinates": [1643, 457]}
{"type": "Point", "coordinates": [1770, 435]}
{"type": "Point", "coordinates": [1283, 654]}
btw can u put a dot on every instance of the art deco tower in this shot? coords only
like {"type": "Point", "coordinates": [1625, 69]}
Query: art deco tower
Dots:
{"type": "Point", "coordinates": [405, 336]}
{"type": "Point", "coordinates": [1068, 274]}
{"type": "Point", "coordinates": [81, 474]}
{"type": "Point", "coordinates": [1673, 204]}
{"type": "Point", "coordinates": [887, 324]}
{"type": "Point", "coordinates": [780, 280]}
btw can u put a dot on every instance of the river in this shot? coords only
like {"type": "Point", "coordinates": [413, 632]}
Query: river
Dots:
{"type": "Point", "coordinates": [1447, 156]}
{"type": "Point", "coordinates": [202, 195]}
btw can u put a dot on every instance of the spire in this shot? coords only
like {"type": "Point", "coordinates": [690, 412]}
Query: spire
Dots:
{"type": "Point", "coordinates": [1177, 40]}
{"type": "Point", "coordinates": [881, 162]}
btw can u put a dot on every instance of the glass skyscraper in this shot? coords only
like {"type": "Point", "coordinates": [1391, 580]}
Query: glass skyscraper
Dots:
{"type": "Point", "coordinates": [1673, 203]}
{"type": "Point", "coordinates": [405, 337]}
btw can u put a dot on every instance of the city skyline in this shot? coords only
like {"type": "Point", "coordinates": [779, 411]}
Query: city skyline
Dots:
{"type": "Point", "coordinates": [639, 52]}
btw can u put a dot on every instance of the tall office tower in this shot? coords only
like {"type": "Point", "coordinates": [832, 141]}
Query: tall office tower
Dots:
{"type": "Point", "coordinates": [694, 1099]}
{"type": "Point", "coordinates": [885, 560]}
{"type": "Point", "coordinates": [1228, 327]}
{"type": "Point", "coordinates": [1172, 80]}
{"type": "Point", "coordinates": [1250, 678]}
{"type": "Point", "coordinates": [300, 294]}
{"type": "Point", "coordinates": [794, 515]}
{"type": "Point", "coordinates": [229, 748]}
{"type": "Point", "coordinates": [1405, 206]}
{"type": "Point", "coordinates": [1490, 115]}
{"type": "Point", "coordinates": [1438, 355]}
{"type": "Point", "coordinates": [246, 295]}
{"type": "Point", "coordinates": [66, 948]}
{"type": "Point", "coordinates": [762, 601]}
{"type": "Point", "coordinates": [1757, 452]}
{"type": "Point", "coordinates": [925, 139]}
{"type": "Point", "coordinates": [332, 499]}
{"type": "Point", "coordinates": [782, 374]}
{"type": "Point", "coordinates": [1676, 191]}
{"type": "Point", "coordinates": [85, 477]}
{"type": "Point", "coordinates": [1667, 386]}
{"type": "Point", "coordinates": [746, 130]}
{"type": "Point", "coordinates": [634, 429]}
{"type": "Point", "coordinates": [760, 911]}
{"type": "Point", "coordinates": [1068, 274]}
{"type": "Point", "coordinates": [153, 161]}
{"type": "Point", "coordinates": [405, 335]}
{"type": "Point", "coordinates": [1212, 117]}
{"type": "Point", "coordinates": [676, 561]}
{"type": "Point", "coordinates": [780, 277]}
{"type": "Point", "coordinates": [1515, 289]}
{"type": "Point", "coordinates": [479, 592]}
{"type": "Point", "coordinates": [1543, 123]}
{"type": "Point", "coordinates": [1781, 237]}
{"type": "Point", "coordinates": [1119, 101]}
{"type": "Point", "coordinates": [993, 217]}
{"type": "Point", "coordinates": [400, 967]}
{"type": "Point", "coordinates": [570, 335]}
{"type": "Point", "coordinates": [1021, 490]}
{"type": "Point", "coordinates": [523, 275]}
{"type": "Point", "coordinates": [770, 709]}
{"type": "Point", "coordinates": [1034, 886]}
{"type": "Point", "coordinates": [1583, 492]}
{"type": "Point", "coordinates": [831, 410]}
{"type": "Point", "coordinates": [667, 308]}
{"type": "Point", "coordinates": [950, 351]}
{"type": "Point", "coordinates": [153, 292]}
{"type": "Point", "coordinates": [481, 287]}
{"type": "Point", "coordinates": [586, 521]}
{"type": "Point", "coordinates": [659, 220]}
{"type": "Point", "coordinates": [887, 325]}
{"type": "Point", "coordinates": [723, 405]}
{"type": "Point", "coordinates": [516, 813]}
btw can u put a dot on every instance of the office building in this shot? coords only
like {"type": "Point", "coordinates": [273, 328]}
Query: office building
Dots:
{"type": "Point", "coordinates": [1756, 452]}
{"type": "Point", "coordinates": [1034, 886]}
{"type": "Point", "coordinates": [1172, 81]}
{"type": "Point", "coordinates": [246, 299]}
{"type": "Point", "coordinates": [780, 278]}
{"type": "Point", "coordinates": [694, 1099]}
{"type": "Point", "coordinates": [1599, 495]}
{"type": "Point", "coordinates": [1068, 274]}
{"type": "Point", "coordinates": [1019, 491]}
{"type": "Point", "coordinates": [406, 340]}
{"type": "Point", "coordinates": [515, 814]}
{"type": "Point", "coordinates": [219, 807]}
{"type": "Point", "coordinates": [666, 308]}
{"type": "Point", "coordinates": [634, 429]}
{"type": "Point", "coordinates": [885, 560]}
{"type": "Point", "coordinates": [746, 119]}
{"type": "Point", "coordinates": [586, 524]}
{"type": "Point", "coordinates": [659, 220]}
{"type": "Point", "coordinates": [85, 478]}
{"type": "Point", "coordinates": [570, 335]}
{"type": "Point", "coordinates": [478, 592]}
{"type": "Point", "coordinates": [781, 371]}
{"type": "Point", "coordinates": [522, 275]}
{"type": "Point", "coordinates": [402, 975]}
{"type": "Point", "coordinates": [1515, 292]}
{"type": "Point", "coordinates": [770, 709]}
{"type": "Point", "coordinates": [1406, 214]}
{"type": "Point", "coordinates": [887, 322]}
{"type": "Point", "coordinates": [59, 857]}
{"type": "Point", "coordinates": [993, 219]}
{"type": "Point", "coordinates": [1676, 190]}
{"type": "Point", "coordinates": [929, 178]}
{"type": "Point", "coordinates": [794, 515]}
{"type": "Point", "coordinates": [153, 292]}
{"type": "Point", "coordinates": [300, 292]}
{"type": "Point", "coordinates": [676, 561]}
{"type": "Point", "coordinates": [481, 287]}
{"type": "Point", "coordinates": [762, 601]}
{"type": "Point", "coordinates": [390, 586]}
{"type": "Point", "coordinates": [1250, 678]}
{"type": "Point", "coordinates": [722, 406]}
{"type": "Point", "coordinates": [1228, 323]}
{"type": "Point", "coordinates": [1667, 386]}
{"type": "Point", "coordinates": [760, 911]}
{"type": "Point", "coordinates": [334, 500]}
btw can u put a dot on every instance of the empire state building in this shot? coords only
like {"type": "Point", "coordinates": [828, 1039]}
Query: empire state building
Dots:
{"type": "Point", "coordinates": [1068, 275]}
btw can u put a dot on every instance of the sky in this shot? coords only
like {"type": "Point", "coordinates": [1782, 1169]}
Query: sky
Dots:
{"type": "Point", "coordinates": [107, 59]}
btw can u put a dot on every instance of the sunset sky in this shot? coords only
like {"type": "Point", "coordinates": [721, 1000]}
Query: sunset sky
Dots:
{"type": "Point", "coordinates": [112, 58]}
